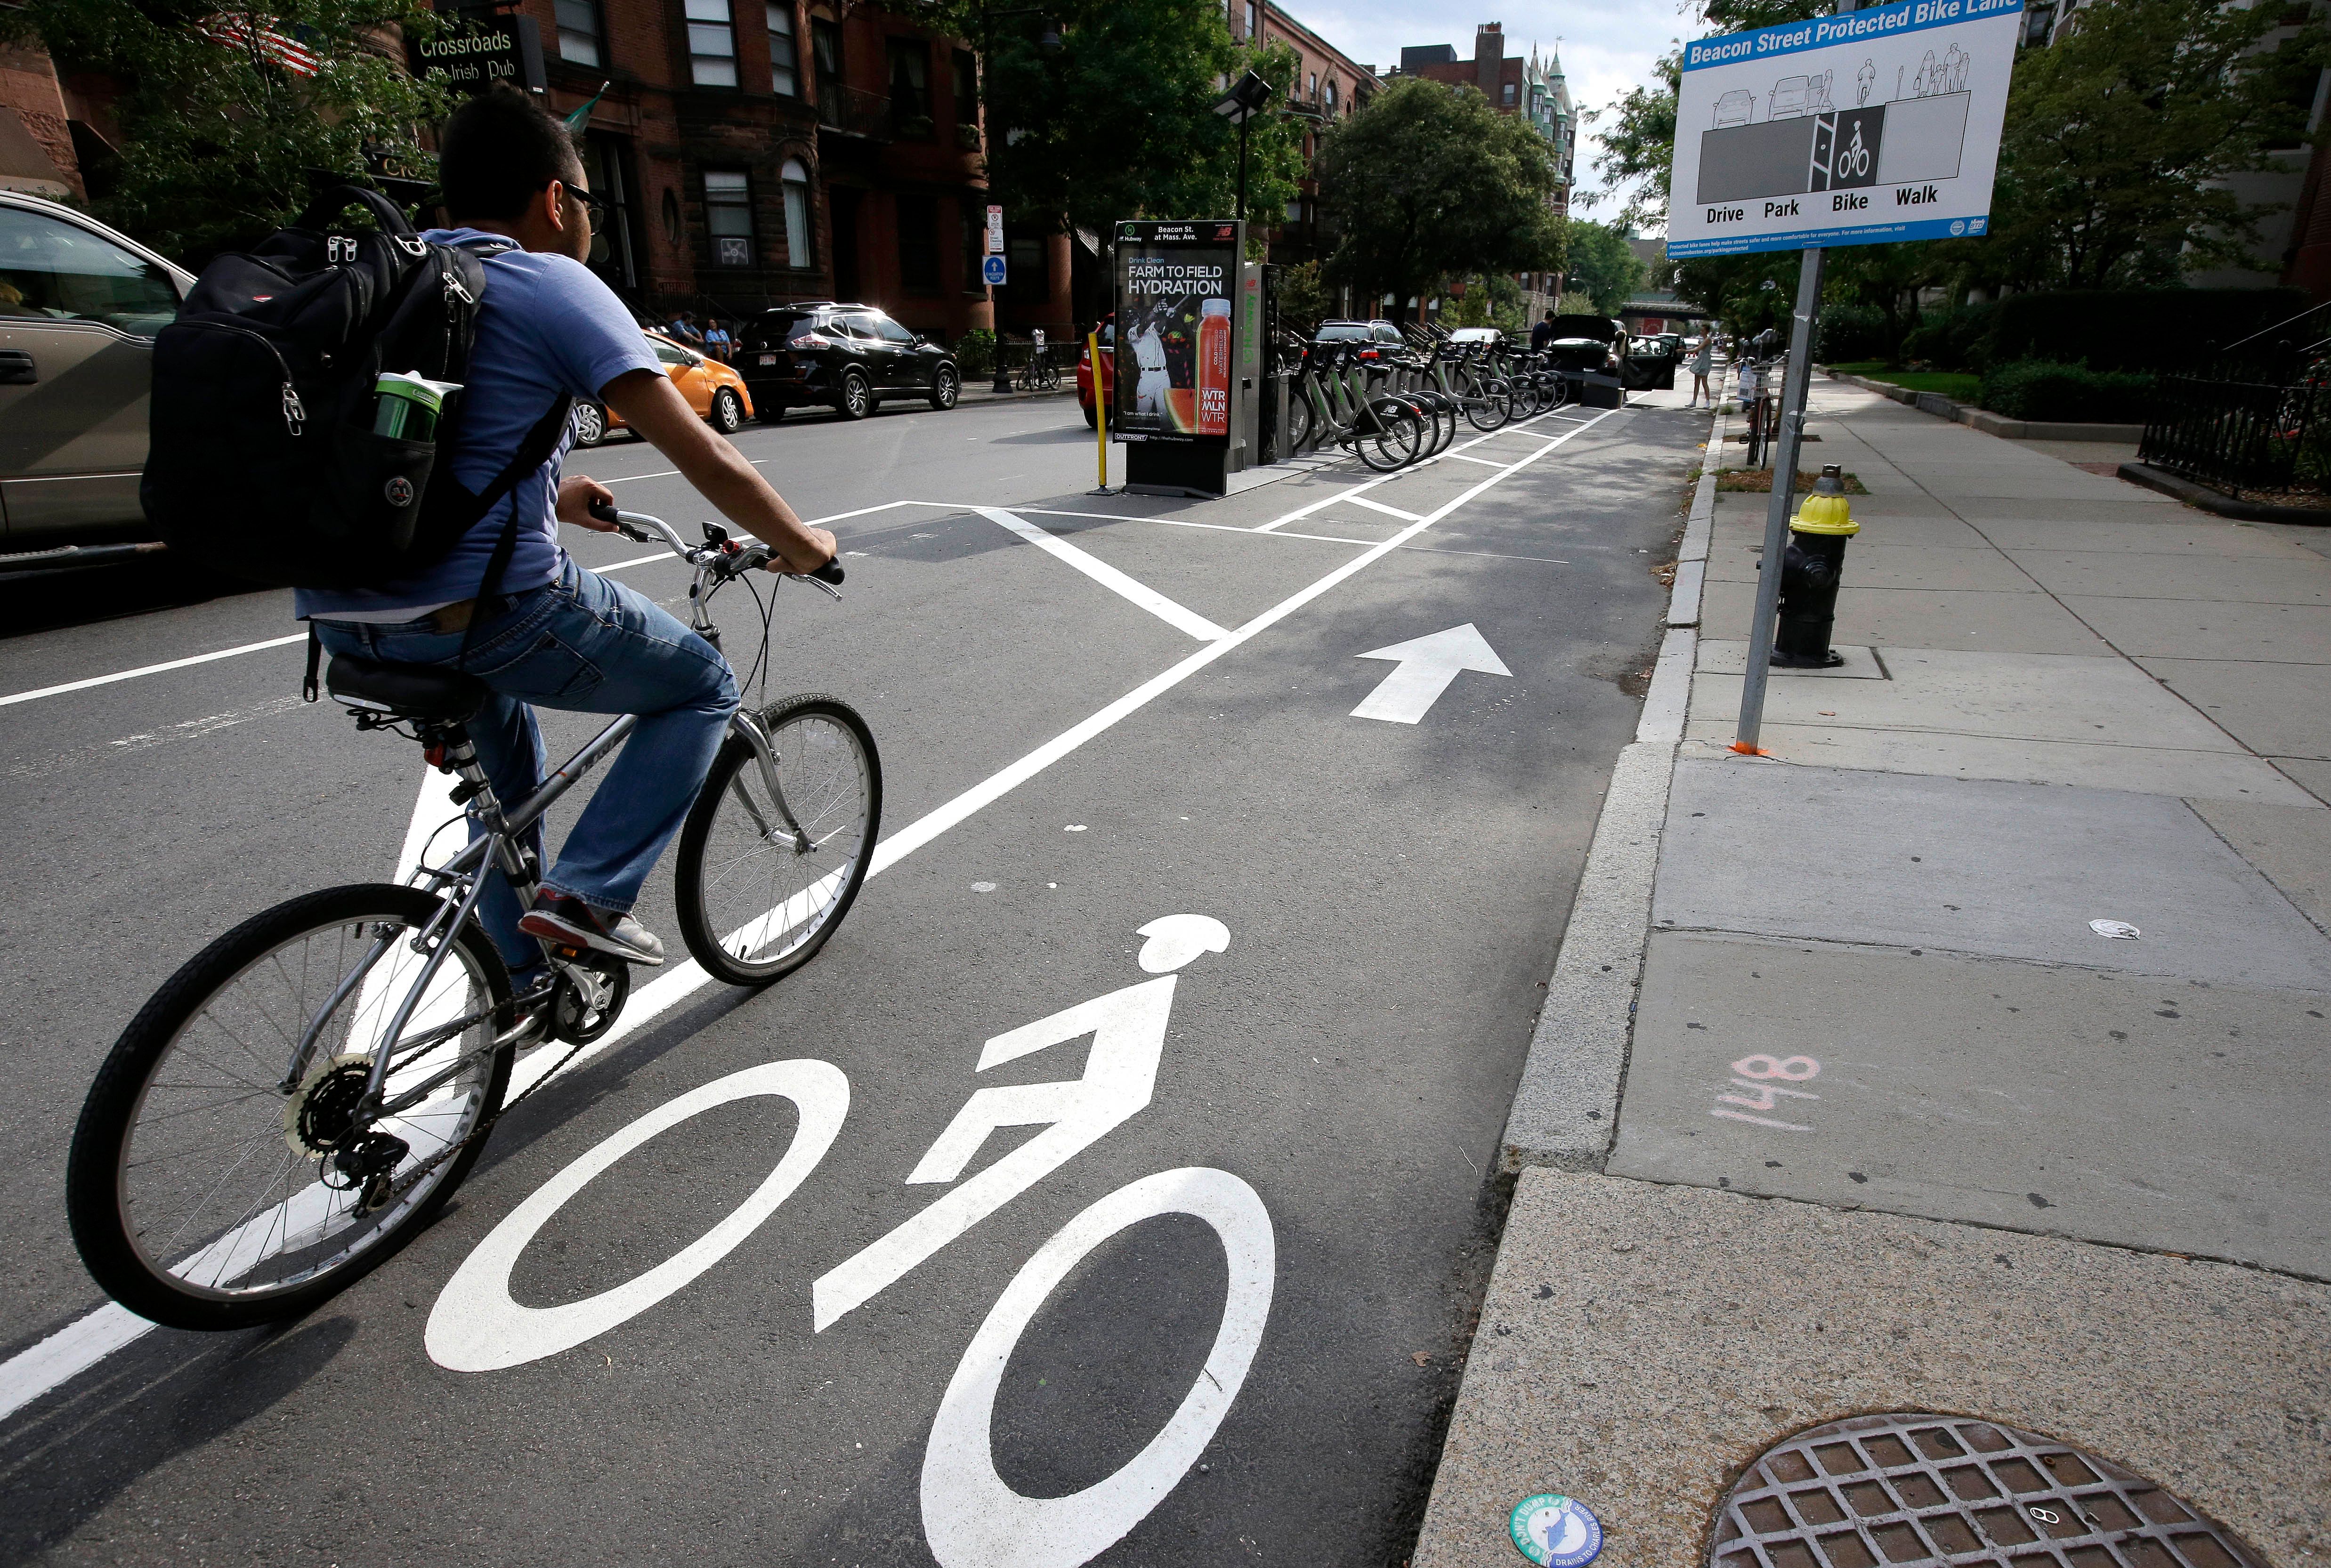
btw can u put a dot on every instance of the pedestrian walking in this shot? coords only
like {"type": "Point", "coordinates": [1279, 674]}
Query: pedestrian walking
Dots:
{"type": "Point", "coordinates": [1703, 361]}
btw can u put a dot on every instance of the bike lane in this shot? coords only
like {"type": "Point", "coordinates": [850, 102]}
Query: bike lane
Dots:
{"type": "Point", "coordinates": [1389, 894]}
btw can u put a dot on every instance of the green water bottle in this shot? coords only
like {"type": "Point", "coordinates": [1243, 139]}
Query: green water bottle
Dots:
{"type": "Point", "coordinates": [409, 405]}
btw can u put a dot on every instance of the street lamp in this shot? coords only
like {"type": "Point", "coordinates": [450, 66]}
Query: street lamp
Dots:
{"type": "Point", "coordinates": [1246, 98]}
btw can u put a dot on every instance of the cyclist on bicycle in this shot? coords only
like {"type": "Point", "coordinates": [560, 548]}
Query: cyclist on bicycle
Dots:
{"type": "Point", "coordinates": [554, 633]}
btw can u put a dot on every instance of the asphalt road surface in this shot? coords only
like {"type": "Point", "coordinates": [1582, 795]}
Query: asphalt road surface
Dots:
{"type": "Point", "coordinates": [1227, 1328]}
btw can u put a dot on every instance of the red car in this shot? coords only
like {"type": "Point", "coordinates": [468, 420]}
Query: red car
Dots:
{"type": "Point", "coordinates": [1107, 370]}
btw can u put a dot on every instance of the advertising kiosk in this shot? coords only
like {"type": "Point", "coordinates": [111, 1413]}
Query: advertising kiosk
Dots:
{"type": "Point", "coordinates": [1188, 355]}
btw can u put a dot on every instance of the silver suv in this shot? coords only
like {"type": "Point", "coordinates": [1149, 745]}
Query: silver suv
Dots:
{"type": "Point", "coordinates": [79, 307]}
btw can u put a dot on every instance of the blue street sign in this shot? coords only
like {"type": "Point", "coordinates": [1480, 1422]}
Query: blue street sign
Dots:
{"type": "Point", "coordinates": [991, 271]}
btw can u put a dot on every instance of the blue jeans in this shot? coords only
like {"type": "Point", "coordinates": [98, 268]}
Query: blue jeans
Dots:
{"type": "Point", "coordinates": [581, 644]}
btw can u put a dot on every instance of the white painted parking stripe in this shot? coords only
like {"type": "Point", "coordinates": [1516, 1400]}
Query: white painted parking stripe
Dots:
{"type": "Point", "coordinates": [1108, 577]}
{"type": "Point", "coordinates": [90, 1339]}
{"type": "Point", "coordinates": [60, 689]}
{"type": "Point", "coordinates": [1485, 463]}
{"type": "Point", "coordinates": [1380, 507]}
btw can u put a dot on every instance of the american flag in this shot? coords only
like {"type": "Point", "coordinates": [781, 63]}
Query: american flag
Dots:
{"type": "Point", "coordinates": [234, 32]}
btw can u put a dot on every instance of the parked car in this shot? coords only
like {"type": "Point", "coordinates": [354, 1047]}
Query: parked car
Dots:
{"type": "Point", "coordinates": [1593, 350]}
{"type": "Point", "coordinates": [79, 305]}
{"type": "Point", "coordinates": [848, 357]}
{"type": "Point", "coordinates": [1382, 333]}
{"type": "Point", "coordinates": [714, 390]}
{"type": "Point", "coordinates": [1107, 370]}
{"type": "Point", "coordinates": [1476, 335]}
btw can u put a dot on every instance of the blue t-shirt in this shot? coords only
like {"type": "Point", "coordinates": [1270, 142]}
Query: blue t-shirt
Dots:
{"type": "Point", "coordinates": [546, 326]}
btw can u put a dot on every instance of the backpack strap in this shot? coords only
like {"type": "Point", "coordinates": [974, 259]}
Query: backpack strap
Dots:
{"type": "Point", "coordinates": [534, 449]}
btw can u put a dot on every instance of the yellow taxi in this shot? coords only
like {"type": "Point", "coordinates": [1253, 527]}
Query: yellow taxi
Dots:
{"type": "Point", "coordinates": [712, 389]}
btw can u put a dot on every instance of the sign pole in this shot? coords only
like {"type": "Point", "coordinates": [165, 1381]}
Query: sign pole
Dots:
{"type": "Point", "coordinates": [1793, 390]}
{"type": "Point", "coordinates": [1100, 406]}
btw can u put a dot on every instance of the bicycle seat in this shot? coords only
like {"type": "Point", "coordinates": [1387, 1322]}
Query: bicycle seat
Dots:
{"type": "Point", "coordinates": [406, 690]}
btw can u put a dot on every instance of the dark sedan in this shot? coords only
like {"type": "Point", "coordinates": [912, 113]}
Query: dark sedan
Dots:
{"type": "Point", "coordinates": [847, 357]}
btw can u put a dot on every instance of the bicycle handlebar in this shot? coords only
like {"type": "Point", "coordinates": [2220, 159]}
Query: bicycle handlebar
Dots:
{"type": "Point", "coordinates": [726, 555]}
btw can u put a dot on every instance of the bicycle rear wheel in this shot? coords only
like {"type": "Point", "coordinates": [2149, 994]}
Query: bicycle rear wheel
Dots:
{"type": "Point", "coordinates": [1390, 437]}
{"type": "Point", "coordinates": [203, 1195]}
{"type": "Point", "coordinates": [1299, 421]}
{"type": "Point", "coordinates": [755, 902]}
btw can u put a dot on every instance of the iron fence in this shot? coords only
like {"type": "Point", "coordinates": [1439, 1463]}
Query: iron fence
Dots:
{"type": "Point", "coordinates": [2245, 436]}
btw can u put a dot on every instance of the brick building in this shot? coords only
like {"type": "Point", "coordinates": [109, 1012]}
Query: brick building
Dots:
{"type": "Point", "coordinates": [762, 151]}
{"type": "Point", "coordinates": [1533, 88]}
{"type": "Point", "coordinates": [37, 134]}
{"type": "Point", "coordinates": [1329, 84]}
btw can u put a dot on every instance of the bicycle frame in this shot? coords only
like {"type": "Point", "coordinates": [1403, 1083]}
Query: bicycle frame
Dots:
{"type": "Point", "coordinates": [461, 882]}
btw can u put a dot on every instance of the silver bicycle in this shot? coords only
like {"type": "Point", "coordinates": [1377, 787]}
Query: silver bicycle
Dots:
{"type": "Point", "coordinates": [295, 1101]}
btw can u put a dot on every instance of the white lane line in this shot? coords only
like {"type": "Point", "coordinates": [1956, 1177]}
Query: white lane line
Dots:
{"type": "Point", "coordinates": [60, 691]}
{"type": "Point", "coordinates": [1108, 577]}
{"type": "Point", "coordinates": [1485, 463]}
{"type": "Point", "coordinates": [90, 1339]}
{"type": "Point", "coordinates": [1188, 523]}
{"type": "Point", "coordinates": [62, 688]}
{"type": "Point", "coordinates": [1380, 507]}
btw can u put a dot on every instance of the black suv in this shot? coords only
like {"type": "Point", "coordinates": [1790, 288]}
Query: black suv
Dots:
{"type": "Point", "coordinates": [849, 358]}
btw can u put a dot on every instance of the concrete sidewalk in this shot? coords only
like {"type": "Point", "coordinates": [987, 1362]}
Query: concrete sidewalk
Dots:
{"type": "Point", "coordinates": [1862, 977]}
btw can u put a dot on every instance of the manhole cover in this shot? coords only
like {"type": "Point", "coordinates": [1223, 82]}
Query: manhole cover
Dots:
{"type": "Point", "coordinates": [1915, 1488]}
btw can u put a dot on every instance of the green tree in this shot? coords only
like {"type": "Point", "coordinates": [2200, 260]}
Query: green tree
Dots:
{"type": "Point", "coordinates": [220, 139]}
{"type": "Point", "coordinates": [2120, 137]}
{"type": "Point", "coordinates": [1429, 182]}
{"type": "Point", "coordinates": [1601, 264]}
{"type": "Point", "coordinates": [1118, 121]}
{"type": "Point", "coordinates": [1639, 149]}
{"type": "Point", "coordinates": [1886, 278]}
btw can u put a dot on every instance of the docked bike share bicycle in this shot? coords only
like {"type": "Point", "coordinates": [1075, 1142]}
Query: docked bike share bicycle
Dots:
{"type": "Point", "coordinates": [291, 1105]}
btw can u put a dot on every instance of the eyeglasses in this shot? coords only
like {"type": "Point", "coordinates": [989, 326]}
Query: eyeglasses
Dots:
{"type": "Point", "coordinates": [593, 205]}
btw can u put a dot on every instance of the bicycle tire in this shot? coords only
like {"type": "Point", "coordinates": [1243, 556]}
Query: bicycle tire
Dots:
{"type": "Point", "coordinates": [746, 913]}
{"type": "Point", "coordinates": [1491, 407]}
{"type": "Point", "coordinates": [1394, 440]}
{"type": "Point", "coordinates": [1298, 425]}
{"type": "Point", "coordinates": [98, 1204]}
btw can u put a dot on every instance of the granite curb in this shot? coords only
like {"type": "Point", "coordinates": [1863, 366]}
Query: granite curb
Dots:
{"type": "Point", "coordinates": [1566, 1104]}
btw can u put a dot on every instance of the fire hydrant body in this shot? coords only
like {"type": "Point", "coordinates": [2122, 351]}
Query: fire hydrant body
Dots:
{"type": "Point", "coordinates": [1810, 573]}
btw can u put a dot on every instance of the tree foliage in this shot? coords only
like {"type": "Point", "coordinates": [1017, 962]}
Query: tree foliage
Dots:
{"type": "Point", "coordinates": [1428, 182]}
{"type": "Point", "coordinates": [1118, 122]}
{"type": "Point", "coordinates": [2121, 134]}
{"type": "Point", "coordinates": [220, 142]}
{"type": "Point", "coordinates": [1600, 265]}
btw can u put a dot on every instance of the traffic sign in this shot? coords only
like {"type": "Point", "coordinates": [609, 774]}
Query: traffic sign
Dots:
{"type": "Point", "coordinates": [1860, 129]}
{"type": "Point", "coordinates": [995, 230]}
{"type": "Point", "coordinates": [991, 271]}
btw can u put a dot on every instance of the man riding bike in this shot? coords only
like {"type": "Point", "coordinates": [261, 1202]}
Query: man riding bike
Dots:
{"type": "Point", "coordinates": [551, 633]}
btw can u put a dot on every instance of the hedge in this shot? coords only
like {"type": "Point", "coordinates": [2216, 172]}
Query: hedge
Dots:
{"type": "Point", "coordinates": [2124, 329]}
{"type": "Point", "coordinates": [1851, 334]}
{"type": "Point", "coordinates": [2041, 389]}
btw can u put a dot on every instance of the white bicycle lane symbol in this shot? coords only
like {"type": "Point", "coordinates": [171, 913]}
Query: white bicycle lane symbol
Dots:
{"type": "Point", "coordinates": [972, 1518]}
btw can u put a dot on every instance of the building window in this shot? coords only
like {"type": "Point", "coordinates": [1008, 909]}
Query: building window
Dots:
{"type": "Point", "coordinates": [1331, 95]}
{"type": "Point", "coordinates": [784, 57]}
{"type": "Point", "coordinates": [711, 45]}
{"type": "Point", "coordinates": [910, 88]}
{"type": "Point", "coordinates": [1509, 95]}
{"type": "Point", "coordinates": [967, 88]}
{"type": "Point", "coordinates": [975, 241]}
{"type": "Point", "coordinates": [825, 54]}
{"type": "Point", "coordinates": [1253, 22]}
{"type": "Point", "coordinates": [1314, 87]}
{"type": "Point", "coordinates": [1295, 211]}
{"type": "Point", "coordinates": [918, 243]}
{"type": "Point", "coordinates": [728, 215]}
{"type": "Point", "coordinates": [603, 157]}
{"type": "Point", "coordinates": [799, 255]}
{"type": "Point", "coordinates": [578, 31]}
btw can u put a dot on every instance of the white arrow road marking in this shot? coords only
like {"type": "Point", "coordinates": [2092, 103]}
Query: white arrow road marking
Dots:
{"type": "Point", "coordinates": [1427, 666]}
{"type": "Point", "coordinates": [1108, 577]}
{"type": "Point", "coordinates": [90, 1339]}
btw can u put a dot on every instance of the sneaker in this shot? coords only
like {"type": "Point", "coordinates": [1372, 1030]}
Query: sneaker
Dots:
{"type": "Point", "coordinates": [562, 918]}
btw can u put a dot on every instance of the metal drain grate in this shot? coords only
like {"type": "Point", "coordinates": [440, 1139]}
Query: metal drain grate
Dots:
{"type": "Point", "coordinates": [1916, 1488]}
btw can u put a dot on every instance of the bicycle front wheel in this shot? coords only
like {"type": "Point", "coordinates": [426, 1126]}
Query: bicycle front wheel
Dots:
{"type": "Point", "coordinates": [202, 1193]}
{"type": "Point", "coordinates": [1491, 407]}
{"type": "Point", "coordinates": [764, 878]}
{"type": "Point", "coordinates": [1392, 441]}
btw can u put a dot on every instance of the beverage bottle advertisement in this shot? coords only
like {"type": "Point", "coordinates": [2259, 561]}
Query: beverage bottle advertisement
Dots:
{"type": "Point", "coordinates": [1174, 332]}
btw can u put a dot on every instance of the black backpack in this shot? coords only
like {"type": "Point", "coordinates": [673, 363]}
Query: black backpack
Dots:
{"type": "Point", "coordinates": [264, 463]}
